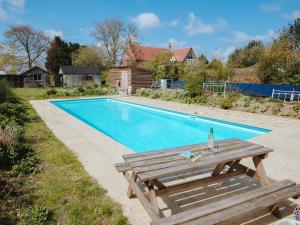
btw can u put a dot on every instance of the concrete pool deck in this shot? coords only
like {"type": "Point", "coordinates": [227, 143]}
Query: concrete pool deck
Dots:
{"type": "Point", "coordinates": [98, 152]}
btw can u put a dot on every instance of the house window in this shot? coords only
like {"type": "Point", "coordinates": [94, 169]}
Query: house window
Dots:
{"type": "Point", "coordinates": [37, 77]}
{"type": "Point", "coordinates": [190, 56]}
{"type": "Point", "coordinates": [88, 78]}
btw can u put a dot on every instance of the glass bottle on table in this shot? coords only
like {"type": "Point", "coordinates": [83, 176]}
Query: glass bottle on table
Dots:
{"type": "Point", "coordinates": [211, 139]}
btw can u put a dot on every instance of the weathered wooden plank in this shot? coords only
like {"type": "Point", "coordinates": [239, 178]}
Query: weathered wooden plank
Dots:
{"type": "Point", "coordinates": [177, 157]}
{"type": "Point", "coordinates": [159, 151]}
{"type": "Point", "coordinates": [225, 204]}
{"type": "Point", "coordinates": [165, 154]}
{"type": "Point", "coordinates": [195, 183]}
{"type": "Point", "coordinates": [122, 167]}
{"type": "Point", "coordinates": [145, 203]}
{"type": "Point", "coordinates": [254, 205]}
{"type": "Point", "coordinates": [218, 158]}
{"type": "Point", "coordinates": [181, 161]}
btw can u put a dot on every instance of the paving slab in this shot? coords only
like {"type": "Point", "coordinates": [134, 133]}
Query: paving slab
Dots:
{"type": "Point", "coordinates": [98, 152]}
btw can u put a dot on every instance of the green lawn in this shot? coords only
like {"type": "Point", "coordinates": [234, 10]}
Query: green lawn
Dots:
{"type": "Point", "coordinates": [63, 186]}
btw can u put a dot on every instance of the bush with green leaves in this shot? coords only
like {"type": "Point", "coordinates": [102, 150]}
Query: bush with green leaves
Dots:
{"type": "Point", "coordinates": [12, 111]}
{"type": "Point", "coordinates": [27, 166]}
{"type": "Point", "coordinates": [227, 101]}
{"type": "Point", "coordinates": [52, 91]}
{"type": "Point", "coordinates": [6, 94]}
{"type": "Point", "coordinates": [10, 150]}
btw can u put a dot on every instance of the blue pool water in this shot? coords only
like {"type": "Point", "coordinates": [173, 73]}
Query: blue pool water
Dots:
{"type": "Point", "coordinates": [143, 128]}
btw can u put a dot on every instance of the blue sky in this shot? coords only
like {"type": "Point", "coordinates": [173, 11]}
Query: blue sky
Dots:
{"type": "Point", "coordinates": [212, 27]}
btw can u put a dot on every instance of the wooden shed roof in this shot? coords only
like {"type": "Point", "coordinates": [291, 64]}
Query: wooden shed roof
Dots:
{"type": "Point", "coordinates": [79, 70]}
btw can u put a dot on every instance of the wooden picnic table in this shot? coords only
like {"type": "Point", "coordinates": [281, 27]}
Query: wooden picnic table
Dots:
{"type": "Point", "coordinates": [151, 168]}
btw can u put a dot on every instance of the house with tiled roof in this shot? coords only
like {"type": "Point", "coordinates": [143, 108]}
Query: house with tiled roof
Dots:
{"type": "Point", "coordinates": [137, 55]}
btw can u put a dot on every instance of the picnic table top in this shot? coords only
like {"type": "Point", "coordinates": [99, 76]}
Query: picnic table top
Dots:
{"type": "Point", "coordinates": [157, 164]}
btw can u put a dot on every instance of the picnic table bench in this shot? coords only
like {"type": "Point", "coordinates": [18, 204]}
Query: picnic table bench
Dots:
{"type": "Point", "coordinates": [150, 168]}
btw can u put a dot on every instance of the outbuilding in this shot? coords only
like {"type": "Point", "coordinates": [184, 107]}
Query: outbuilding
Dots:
{"type": "Point", "coordinates": [35, 77]}
{"type": "Point", "coordinates": [72, 76]}
{"type": "Point", "coordinates": [130, 79]}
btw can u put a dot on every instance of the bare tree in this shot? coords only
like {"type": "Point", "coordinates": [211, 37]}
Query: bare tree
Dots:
{"type": "Point", "coordinates": [114, 36]}
{"type": "Point", "coordinates": [30, 44]}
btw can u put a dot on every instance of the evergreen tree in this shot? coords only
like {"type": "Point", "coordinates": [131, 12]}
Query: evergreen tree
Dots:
{"type": "Point", "coordinates": [59, 54]}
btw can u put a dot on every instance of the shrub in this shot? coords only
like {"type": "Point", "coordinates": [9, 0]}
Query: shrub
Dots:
{"type": "Point", "coordinates": [9, 137]}
{"type": "Point", "coordinates": [16, 112]}
{"type": "Point", "coordinates": [296, 106]}
{"type": "Point", "coordinates": [27, 166]}
{"type": "Point", "coordinates": [81, 89]}
{"type": "Point", "coordinates": [145, 92]}
{"type": "Point", "coordinates": [6, 94]}
{"type": "Point", "coordinates": [52, 91]}
{"type": "Point", "coordinates": [227, 101]}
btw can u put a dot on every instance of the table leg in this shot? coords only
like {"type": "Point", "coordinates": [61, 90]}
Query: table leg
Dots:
{"type": "Point", "coordinates": [152, 198]}
{"type": "Point", "coordinates": [233, 166]}
{"type": "Point", "coordinates": [158, 184]}
{"type": "Point", "coordinates": [218, 169]}
{"type": "Point", "coordinates": [130, 193]}
{"type": "Point", "coordinates": [264, 181]}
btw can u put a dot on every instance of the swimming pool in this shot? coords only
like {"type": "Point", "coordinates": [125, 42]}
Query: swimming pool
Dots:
{"type": "Point", "coordinates": [142, 128]}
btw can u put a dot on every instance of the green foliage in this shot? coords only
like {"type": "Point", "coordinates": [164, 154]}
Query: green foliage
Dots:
{"type": "Point", "coordinates": [292, 32]}
{"type": "Point", "coordinates": [227, 102]}
{"type": "Point", "coordinates": [52, 92]}
{"type": "Point", "coordinates": [39, 215]}
{"type": "Point", "coordinates": [195, 75]}
{"type": "Point", "coordinates": [203, 59]}
{"type": "Point", "coordinates": [280, 63]}
{"type": "Point", "coordinates": [27, 166]}
{"type": "Point", "coordinates": [8, 63]}
{"type": "Point", "coordinates": [247, 56]}
{"type": "Point", "coordinates": [15, 112]}
{"type": "Point", "coordinates": [121, 220]}
{"type": "Point", "coordinates": [218, 71]}
{"type": "Point", "coordinates": [106, 210]}
{"type": "Point", "coordinates": [10, 149]}
{"type": "Point", "coordinates": [89, 56]}
{"type": "Point", "coordinates": [6, 94]}
{"type": "Point", "coordinates": [162, 67]}
{"type": "Point", "coordinates": [59, 54]}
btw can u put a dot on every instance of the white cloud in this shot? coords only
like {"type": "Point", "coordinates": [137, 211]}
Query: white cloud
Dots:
{"type": "Point", "coordinates": [19, 4]}
{"type": "Point", "coordinates": [271, 7]}
{"type": "Point", "coordinates": [242, 37]}
{"type": "Point", "coordinates": [9, 8]}
{"type": "Point", "coordinates": [294, 15]}
{"type": "Point", "coordinates": [196, 26]}
{"type": "Point", "coordinates": [174, 23]}
{"type": "Point", "coordinates": [222, 54]}
{"type": "Point", "coordinates": [146, 20]}
{"type": "Point", "coordinates": [51, 33]}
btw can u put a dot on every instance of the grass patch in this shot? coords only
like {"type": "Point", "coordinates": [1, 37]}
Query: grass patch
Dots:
{"type": "Point", "coordinates": [62, 191]}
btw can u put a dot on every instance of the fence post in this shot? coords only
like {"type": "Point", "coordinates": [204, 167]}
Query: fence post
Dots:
{"type": "Point", "coordinates": [225, 85]}
{"type": "Point", "coordinates": [273, 93]}
{"type": "Point", "coordinates": [292, 96]}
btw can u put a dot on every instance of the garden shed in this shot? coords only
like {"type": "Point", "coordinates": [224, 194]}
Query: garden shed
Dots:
{"type": "Point", "coordinates": [73, 76]}
{"type": "Point", "coordinates": [35, 77]}
{"type": "Point", "coordinates": [130, 78]}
